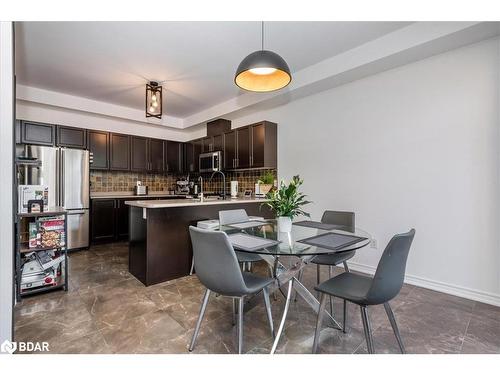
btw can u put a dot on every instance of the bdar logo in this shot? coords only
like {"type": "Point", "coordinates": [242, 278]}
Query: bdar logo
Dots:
{"type": "Point", "coordinates": [8, 347]}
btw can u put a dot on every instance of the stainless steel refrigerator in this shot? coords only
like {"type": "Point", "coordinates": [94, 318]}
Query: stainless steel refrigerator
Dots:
{"type": "Point", "coordinates": [66, 172]}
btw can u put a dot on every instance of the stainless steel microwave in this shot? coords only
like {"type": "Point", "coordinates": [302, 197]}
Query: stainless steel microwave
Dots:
{"type": "Point", "coordinates": [211, 161]}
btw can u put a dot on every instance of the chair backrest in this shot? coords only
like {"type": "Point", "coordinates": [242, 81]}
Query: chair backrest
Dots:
{"type": "Point", "coordinates": [216, 263]}
{"type": "Point", "coordinates": [390, 272]}
{"type": "Point", "coordinates": [232, 216]}
{"type": "Point", "coordinates": [343, 218]}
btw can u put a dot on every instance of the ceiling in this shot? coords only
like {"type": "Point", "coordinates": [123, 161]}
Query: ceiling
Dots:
{"type": "Point", "coordinates": [196, 61]}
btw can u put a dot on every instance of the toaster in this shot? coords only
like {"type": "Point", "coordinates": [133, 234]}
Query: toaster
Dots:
{"type": "Point", "coordinates": [141, 190]}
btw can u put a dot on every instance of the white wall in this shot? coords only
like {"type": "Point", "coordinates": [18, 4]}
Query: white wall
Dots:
{"type": "Point", "coordinates": [416, 146]}
{"type": "Point", "coordinates": [6, 184]}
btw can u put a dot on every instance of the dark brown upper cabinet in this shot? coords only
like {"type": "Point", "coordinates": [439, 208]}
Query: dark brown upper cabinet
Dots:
{"type": "Point", "coordinates": [156, 155]}
{"type": "Point", "coordinates": [71, 137]}
{"type": "Point", "coordinates": [214, 143]}
{"type": "Point", "coordinates": [264, 142]}
{"type": "Point", "coordinates": [35, 133]}
{"type": "Point", "coordinates": [243, 147]}
{"type": "Point", "coordinates": [98, 144]}
{"type": "Point", "coordinates": [217, 143]}
{"type": "Point", "coordinates": [139, 155]}
{"type": "Point", "coordinates": [119, 152]}
{"type": "Point", "coordinates": [230, 150]}
{"type": "Point", "coordinates": [174, 157]}
{"type": "Point", "coordinates": [189, 165]}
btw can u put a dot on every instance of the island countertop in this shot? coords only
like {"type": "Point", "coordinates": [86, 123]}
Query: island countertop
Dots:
{"type": "Point", "coordinates": [190, 202]}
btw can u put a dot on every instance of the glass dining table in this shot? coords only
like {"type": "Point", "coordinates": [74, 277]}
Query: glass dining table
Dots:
{"type": "Point", "coordinates": [298, 253]}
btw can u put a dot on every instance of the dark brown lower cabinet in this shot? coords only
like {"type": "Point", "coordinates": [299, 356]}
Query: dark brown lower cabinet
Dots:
{"type": "Point", "coordinates": [121, 212]}
{"type": "Point", "coordinates": [109, 218]}
{"type": "Point", "coordinates": [103, 220]}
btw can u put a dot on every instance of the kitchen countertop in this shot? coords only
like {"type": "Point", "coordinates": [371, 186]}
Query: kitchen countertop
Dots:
{"type": "Point", "coordinates": [190, 202]}
{"type": "Point", "coordinates": [129, 194]}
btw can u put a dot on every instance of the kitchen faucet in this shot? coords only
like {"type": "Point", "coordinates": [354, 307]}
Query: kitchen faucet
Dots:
{"type": "Point", "coordinates": [224, 181]}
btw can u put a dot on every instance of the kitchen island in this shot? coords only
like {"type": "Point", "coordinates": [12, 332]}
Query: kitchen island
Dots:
{"type": "Point", "coordinates": [159, 243]}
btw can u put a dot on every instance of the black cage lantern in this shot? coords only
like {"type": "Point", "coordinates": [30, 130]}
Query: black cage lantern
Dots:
{"type": "Point", "coordinates": [153, 100]}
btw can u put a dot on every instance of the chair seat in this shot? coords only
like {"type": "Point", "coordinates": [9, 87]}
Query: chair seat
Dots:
{"type": "Point", "coordinates": [349, 286]}
{"type": "Point", "coordinates": [247, 257]}
{"type": "Point", "coordinates": [333, 259]}
{"type": "Point", "coordinates": [255, 283]}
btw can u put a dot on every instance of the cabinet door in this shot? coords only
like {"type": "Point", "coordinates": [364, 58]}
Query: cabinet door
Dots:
{"type": "Point", "coordinates": [156, 155]}
{"type": "Point", "coordinates": [38, 134]}
{"type": "Point", "coordinates": [71, 137]}
{"type": "Point", "coordinates": [103, 220]}
{"type": "Point", "coordinates": [119, 152]}
{"type": "Point", "coordinates": [98, 143]}
{"type": "Point", "coordinates": [173, 157]}
{"type": "Point", "coordinates": [230, 150]}
{"type": "Point", "coordinates": [243, 148]}
{"type": "Point", "coordinates": [197, 150]}
{"type": "Point", "coordinates": [258, 145]}
{"type": "Point", "coordinates": [139, 154]}
{"type": "Point", "coordinates": [189, 164]}
{"type": "Point", "coordinates": [217, 143]}
{"type": "Point", "coordinates": [121, 213]}
{"type": "Point", "coordinates": [205, 145]}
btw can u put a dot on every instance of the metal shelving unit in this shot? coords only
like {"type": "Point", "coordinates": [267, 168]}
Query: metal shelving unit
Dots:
{"type": "Point", "coordinates": [23, 248]}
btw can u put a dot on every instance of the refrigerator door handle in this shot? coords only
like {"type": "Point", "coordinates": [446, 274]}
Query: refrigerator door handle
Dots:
{"type": "Point", "coordinates": [58, 180]}
{"type": "Point", "coordinates": [76, 212]}
{"type": "Point", "coordinates": [63, 178]}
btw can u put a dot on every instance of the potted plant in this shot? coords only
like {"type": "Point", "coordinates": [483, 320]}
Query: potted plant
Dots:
{"type": "Point", "coordinates": [287, 202]}
{"type": "Point", "coordinates": [266, 182]}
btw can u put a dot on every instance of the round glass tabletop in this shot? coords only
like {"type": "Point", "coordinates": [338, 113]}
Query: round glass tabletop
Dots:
{"type": "Point", "coordinates": [266, 239]}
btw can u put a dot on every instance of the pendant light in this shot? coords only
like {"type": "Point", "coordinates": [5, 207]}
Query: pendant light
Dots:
{"type": "Point", "coordinates": [154, 100]}
{"type": "Point", "coordinates": [263, 71]}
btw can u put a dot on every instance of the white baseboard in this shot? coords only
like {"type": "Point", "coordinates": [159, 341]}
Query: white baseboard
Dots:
{"type": "Point", "coordinates": [439, 286]}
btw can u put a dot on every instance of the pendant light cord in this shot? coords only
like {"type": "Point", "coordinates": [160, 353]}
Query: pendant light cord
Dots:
{"type": "Point", "coordinates": [262, 34]}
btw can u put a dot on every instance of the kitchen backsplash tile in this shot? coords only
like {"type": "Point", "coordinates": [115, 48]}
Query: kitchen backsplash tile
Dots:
{"type": "Point", "coordinates": [108, 181]}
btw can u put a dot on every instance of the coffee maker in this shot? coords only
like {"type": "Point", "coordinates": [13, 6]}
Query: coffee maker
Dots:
{"type": "Point", "coordinates": [182, 187]}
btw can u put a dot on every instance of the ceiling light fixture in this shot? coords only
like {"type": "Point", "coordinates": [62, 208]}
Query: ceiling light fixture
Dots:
{"type": "Point", "coordinates": [263, 71]}
{"type": "Point", "coordinates": [153, 99]}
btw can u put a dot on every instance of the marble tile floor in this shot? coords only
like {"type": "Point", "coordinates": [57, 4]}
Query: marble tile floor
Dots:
{"type": "Point", "coordinates": [106, 310]}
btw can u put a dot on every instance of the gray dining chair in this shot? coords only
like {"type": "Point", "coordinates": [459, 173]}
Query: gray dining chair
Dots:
{"type": "Point", "coordinates": [227, 217]}
{"type": "Point", "coordinates": [346, 221]}
{"type": "Point", "coordinates": [367, 291]}
{"type": "Point", "coordinates": [232, 217]}
{"type": "Point", "coordinates": [218, 270]}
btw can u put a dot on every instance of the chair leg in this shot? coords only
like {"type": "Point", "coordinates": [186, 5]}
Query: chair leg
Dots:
{"type": "Point", "coordinates": [394, 326]}
{"type": "Point", "coordinates": [200, 318]}
{"type": "Point", "coordinates": [344, 325]}
{"type": "Point", "coordinates": [318, 277]}
{"type": "Point", "coordinates": [192, 267]}
{"type": "Point", "coordinates": [240, 325]}
{"type": "Point", "coordinates": [330, 275]}
{"type": "Point", "coordinates": [322, 306]}
{"type": "Point", "coordinates": [267, 302]}
{"type": "Point", "coordinates": [367, 329]}
{"type": "Point", "coordinates": [235, 307]}
{"type": "Point", "coordinates": [346, 267]}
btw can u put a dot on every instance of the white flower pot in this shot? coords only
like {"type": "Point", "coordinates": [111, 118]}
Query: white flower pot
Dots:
{"type": "Point", "coordinates": [284, 224]}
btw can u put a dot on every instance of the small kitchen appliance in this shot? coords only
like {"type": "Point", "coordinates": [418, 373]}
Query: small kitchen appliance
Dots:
{"type": "Point", "coordinates": [182, 187]}
{"type": "Point", "coordinates": [140, 189]}
{"type": "Point", "coordinates": [234, 189]}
